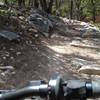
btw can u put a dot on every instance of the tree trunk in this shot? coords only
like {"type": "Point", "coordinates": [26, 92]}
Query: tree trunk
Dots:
{"type": "Point", "coordinates": [43, 4]}
{"type": "Point", "coordinates": [71, 9]}
{"type": "Point", "coordinates": [93, 11]}
{"type": "Point", "coordinates": [21, 3]}
{"type": "Point", "coordinates": [50, 6]}
{"type": "Point", "coordinates": [36, 4]}
{"type": "Point", "coordinates": [6, 2]}
{"type": "Point", "coordinates": [30, 3]}
{"type": "Point", "coordinates": [56, 2]}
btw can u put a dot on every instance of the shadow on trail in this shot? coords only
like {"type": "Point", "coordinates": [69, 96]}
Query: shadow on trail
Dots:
{"type": "Point", "coordinates": [40, 63]}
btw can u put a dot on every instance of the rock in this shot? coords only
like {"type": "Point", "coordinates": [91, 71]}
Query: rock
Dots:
{"type": "Point", "coordinates": [72, 32]}
{"type": "Point", "coordinates": [2, 4]}
{"type": "Point", "coordinates": [91, 33]}
{"type": "Point", "coordinates": [77, 38]}
{"type": "Point", "coordinates": [78, 62]}
{"type": "Point", "coordinates": [83, 44]}
{"type": "Point", "coordinates": [12, 58]}
{"type": "Point", "coordinates": [21, 17]}
{"type": "Point", "coordinates": [18, 53]}
{"type": "Point", "coordinates": [6, 68]}
{"type": "Point", "coordinates": [13, 73]}
{"type": "Point", "coordinates": [45, 34]}
{"type": "Point", "coordinates": [36, 35]}
{"type": "Point", "coordinates": [40, 23]}
{"type": "Point", "coordinates": [90, 30]}
{"type": "Point", "coordinates": [11, 49]}
{"type": "Point", "coordinates": [4, 58]}
{"type": "Point", "coordinates": [7, 55]}
{"type": "Point", "coordinates": [82, 29]}
{"type": "Point", "coordinates": [32, 30]}
{"type": "Point", "coordinates": [30, 42]}
{"type": "Point", "coordinates": [95, 77]}
{"type": "Point", "coordinates": [23, 27]}
{"type": "Point", "coordinates": [3, 74]}
{"type": "Point", "coordinates": [88, 26]}
{"type": "Point", "coordinates": [90, 69]}
{"type": "Point", "coordinates": [8, 35]}
{"type": "Point", "coordinates": [75, 42]}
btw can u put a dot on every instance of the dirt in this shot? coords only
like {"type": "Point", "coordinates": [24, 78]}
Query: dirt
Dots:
{"type": "Point", "coordinates": [42, 58]}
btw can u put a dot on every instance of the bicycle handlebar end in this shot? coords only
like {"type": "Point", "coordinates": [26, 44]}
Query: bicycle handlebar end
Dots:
{"type": "Point", "coordinates": [96, 89]}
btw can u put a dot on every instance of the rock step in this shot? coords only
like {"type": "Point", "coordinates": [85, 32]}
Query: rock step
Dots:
{"type": "Point", "coordinates": [90, 69]}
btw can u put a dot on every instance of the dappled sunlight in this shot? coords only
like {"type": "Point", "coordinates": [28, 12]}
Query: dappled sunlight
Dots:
{"type": "Point", "coordinates": [59, 49]}
{"type": "Point", "coordinates": [67, 49]}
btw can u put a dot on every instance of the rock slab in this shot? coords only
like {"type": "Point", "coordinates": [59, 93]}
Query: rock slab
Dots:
{"type": "Point", "coordinates": [8, 35]}
{"type": "Point", "coordinates": [90, 69]}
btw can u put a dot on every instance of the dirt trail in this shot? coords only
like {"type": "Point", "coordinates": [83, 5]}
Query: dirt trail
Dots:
{"type": "Point", "coordinates": [40, 62]}
{"type": "Point", "coordinates": [43, 60]}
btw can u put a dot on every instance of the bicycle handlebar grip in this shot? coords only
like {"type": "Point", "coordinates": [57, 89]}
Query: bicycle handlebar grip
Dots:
{"type": "Point", "coordinates": [96, 89]}
{"type": "Point", "coordinates": [25, 92]}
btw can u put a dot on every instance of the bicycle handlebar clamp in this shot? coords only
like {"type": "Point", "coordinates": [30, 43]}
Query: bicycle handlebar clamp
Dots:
{"type": "Point", "coordinates": [56, 92]}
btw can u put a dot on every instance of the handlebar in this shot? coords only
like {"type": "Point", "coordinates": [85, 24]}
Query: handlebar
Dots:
{"type": "Point", "coordinates": [56, 89]}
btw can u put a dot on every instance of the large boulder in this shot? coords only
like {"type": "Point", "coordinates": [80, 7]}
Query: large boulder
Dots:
{"type": "Point", "coordinates": [45, 23]}
{"type": "Point", "coordinates": [42, 21]}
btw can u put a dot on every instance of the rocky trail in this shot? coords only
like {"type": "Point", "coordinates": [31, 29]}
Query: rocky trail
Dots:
{"type": "Point", "coordinates": [45, 46]}
{"type": "Point", "coordinates": [45, 59]}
